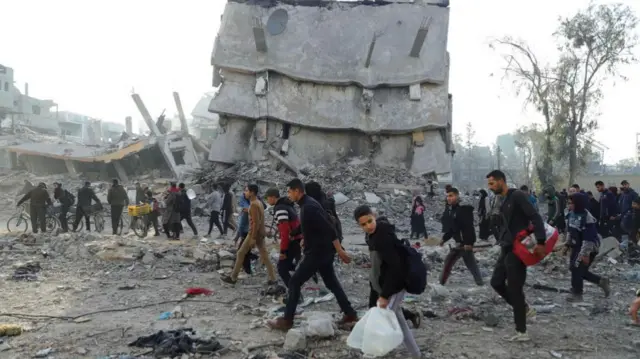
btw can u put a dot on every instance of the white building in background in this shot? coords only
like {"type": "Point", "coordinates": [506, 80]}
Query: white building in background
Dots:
{"type": "Point", "coordinates": [638, 148]}
{"type": "Point", "coordinates": [20, 109]}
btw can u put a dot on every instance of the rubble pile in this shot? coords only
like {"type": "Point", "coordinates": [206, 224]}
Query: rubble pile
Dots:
{"type": "Point", "coordinates": [352, 183]}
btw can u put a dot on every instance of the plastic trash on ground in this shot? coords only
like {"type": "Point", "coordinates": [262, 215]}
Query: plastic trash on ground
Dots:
{"type": "Point", "coordinates": [377, 333]}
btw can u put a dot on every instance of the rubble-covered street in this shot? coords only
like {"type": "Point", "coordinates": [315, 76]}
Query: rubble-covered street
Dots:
{"type": "Point", "coordinates": [88, 295]}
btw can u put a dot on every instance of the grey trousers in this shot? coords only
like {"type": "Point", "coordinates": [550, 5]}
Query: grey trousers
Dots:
{"type": "Point", "coordinates": [395, 304]}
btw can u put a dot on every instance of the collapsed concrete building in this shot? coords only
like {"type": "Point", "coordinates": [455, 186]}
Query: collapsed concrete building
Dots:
{"type": "Point", "coordinates": [313, 82]}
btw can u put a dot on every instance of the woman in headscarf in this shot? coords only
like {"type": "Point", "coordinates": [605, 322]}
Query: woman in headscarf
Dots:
{"type": "Point", "coordinates": [418, 226]}
{"type": "Point", "coordinates": [483, 215]}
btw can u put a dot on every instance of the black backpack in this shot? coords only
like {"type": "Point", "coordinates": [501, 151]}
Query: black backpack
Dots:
{"type": "Point", "coordinates": [416, 281]}
{"type": "Point", "coordinates": [69, 199]}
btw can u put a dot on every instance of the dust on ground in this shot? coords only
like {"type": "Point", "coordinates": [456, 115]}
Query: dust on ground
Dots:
{"type": "Point", "coordinates": [94, 294]}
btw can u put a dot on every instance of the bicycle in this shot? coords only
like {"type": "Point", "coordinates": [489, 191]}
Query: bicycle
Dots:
{"type": "Point", "coordinates": [20, 220]}
{"type": "Point", "coordinates": [140, 220]}
{"type": "Point", "coordinates": [96, 218]}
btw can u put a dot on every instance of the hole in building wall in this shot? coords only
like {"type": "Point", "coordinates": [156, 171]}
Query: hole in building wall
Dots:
{"type": "Point", "coordinates": [286, 130]}
{"type": "Point", "coordinates": [178, 156]}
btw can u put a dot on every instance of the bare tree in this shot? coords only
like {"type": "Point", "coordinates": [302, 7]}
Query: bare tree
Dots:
{"type": "Point", "coordinates": [594, 44]}
{"type": "Point", "coordinates": [535, 81]}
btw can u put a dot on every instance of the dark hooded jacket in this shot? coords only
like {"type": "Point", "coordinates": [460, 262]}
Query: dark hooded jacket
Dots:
{"type": "Point", "coordinates": [626, 207]}
{"type": "Point", "coordinates": [608, 205]}
{"type": "Point", "coordinates": [393, 269]}
{"type": "Point", "coordinates": [556, 204]}
{"type": "Point", "coordinates": [581, 227]}
{"type": "Point", "coordinates": [457, 223]}
{"type": "Point", "coordinates": [85, 195]}
{"type": "Point", "coordinates": [329, 205]}
{"type": "Point", "coordinates": [514, 215]}
{"type": "Point", "coordinates": [317, 230]}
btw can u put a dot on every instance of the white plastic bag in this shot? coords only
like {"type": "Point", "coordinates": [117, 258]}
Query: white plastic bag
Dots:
{"type": "Point", "coordinates": [377, 333]}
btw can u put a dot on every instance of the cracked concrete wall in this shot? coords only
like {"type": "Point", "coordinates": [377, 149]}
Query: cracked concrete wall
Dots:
{"type": "Point", "coordinates": [333, 107]}
{"type": "Point", "coordinates": [236, 141]}
{"type": "Point", "coordinates": [331, 44]}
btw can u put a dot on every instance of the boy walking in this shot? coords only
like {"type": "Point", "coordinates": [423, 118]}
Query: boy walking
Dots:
{"type": "Point", "coordinates": [388, 272]}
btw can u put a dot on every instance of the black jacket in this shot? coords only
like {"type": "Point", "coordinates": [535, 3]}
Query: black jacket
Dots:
{"type": "Point", "coordinates": [594, 208]}
{"type": "Point", "coordinates": [39, 197]}
{"type": "Point", "coordinates": [517, 213]}
{"type": "Point", "coordinates": [185, 204]}
{"type": "Point", "coordinates": [85, 195]}
{"type": "Point", "coordinates": [394, 270]}
{"type": "Point", "coordinates": [317, 230]}
{"type": "Point", "coordinates": [457, 223]}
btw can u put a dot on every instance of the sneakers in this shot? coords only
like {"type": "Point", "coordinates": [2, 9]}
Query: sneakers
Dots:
{"type": "Point", "coordinates": [519, 337]}
{"type": "Point", "coordinates": [227, 279]}
{"type": "Point", "coordinates": [531, 312]}
{"type": "Point", "coordinates": [604, 284]}
{"type": "Point", "coordinates": [280, 324]}
{"type": "Point", "coordinates": [348, 319]}
{"type": "Point", "coordinates": [574, 298]}
{"type": "Point", "coordinates": [417, 320]}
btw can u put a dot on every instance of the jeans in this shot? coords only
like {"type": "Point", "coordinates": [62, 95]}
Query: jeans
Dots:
{"type": "Point", "coordinates": [469, 260]}
{"type": "Point", "coordinates": [307, 267]}
{"type": "Point", "coordinates": [187, 217]}
{"type": "Point", "coordinates": [38, 218]}
{"type": "Point", "coordinates": [215, 219]}
{"type": "Point", "coordinates": [580, 271]}
{"type": "Point", "coordinates": [288, 265]}
{"type": "Point", "coordinates": [116, 213]}
{"type": "Point", "coordinates": [509, 268]}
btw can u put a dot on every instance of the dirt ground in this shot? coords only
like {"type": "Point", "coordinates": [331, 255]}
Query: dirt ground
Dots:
{"type": "Point", "coordinates": [88, 304]}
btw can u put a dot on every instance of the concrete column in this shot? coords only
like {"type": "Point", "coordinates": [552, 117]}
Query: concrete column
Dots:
{"type": "Point", "coordinates": [183, 120]}
{"type": "Point", "coordinates": [71, 167]}
{"type": "Point", "coordinates": [145, 115]}
{"type": "Point", "coordinates": [128, 123]}
{"type": "Point", "coordinates": [122, 174]}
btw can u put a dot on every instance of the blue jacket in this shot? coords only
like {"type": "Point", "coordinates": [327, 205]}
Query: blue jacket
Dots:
{"type": "Point", "coordinates": [608, 205]}
{"type": "Point", "coordinates": [581, 227]}
{"type": "Point", "coordinates": [243, 219]}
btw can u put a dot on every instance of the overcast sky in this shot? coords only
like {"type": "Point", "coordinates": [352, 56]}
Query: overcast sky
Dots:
{"type": "Point", "coordinates": [88, 55]}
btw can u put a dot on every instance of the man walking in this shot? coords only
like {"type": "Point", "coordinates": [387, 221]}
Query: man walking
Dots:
{"type": "Point", "coordinates": [117, 197]}
{"type": "Point", "coordinates": [512, 213]}
{"type": "Point", "coordinates": [626, 206]}
{"type": "Point", "coordinates": [458, 223]}
{"type": "Point", "coordinates": [290, 233]}
{"type": "Point", "coordinates": [320, 246]}
{"type": "Point", "coordinates": [255, 238]}
{"type": "Point", "coordinates": [215, 205]}
{"type": "Point", "coordinates": [608, 209]}
{"type": "Point", "coordinates": [185, 208]}
{"type": "Point", "coordinates": [38, 209]}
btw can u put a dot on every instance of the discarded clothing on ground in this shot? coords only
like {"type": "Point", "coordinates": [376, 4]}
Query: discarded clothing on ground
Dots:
{"type": "Point", "coordinates": [176, 342]}
{"type": "Point", "coordinates": [27, 271]}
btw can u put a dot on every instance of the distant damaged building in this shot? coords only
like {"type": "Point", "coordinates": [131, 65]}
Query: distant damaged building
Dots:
{"type": "Point", "coordinates": [312, 82]}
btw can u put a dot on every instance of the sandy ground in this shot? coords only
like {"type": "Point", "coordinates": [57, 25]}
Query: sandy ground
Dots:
{"type": "Point", "coordinates": [99, 306]}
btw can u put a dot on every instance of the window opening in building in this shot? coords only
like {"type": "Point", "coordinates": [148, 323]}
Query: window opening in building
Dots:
{"type": "Point", "coordinates": [35, 109]}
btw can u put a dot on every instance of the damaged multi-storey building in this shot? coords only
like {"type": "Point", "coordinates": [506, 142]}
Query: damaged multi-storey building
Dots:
{"type": "Point", "coordinates": [314, 82]}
